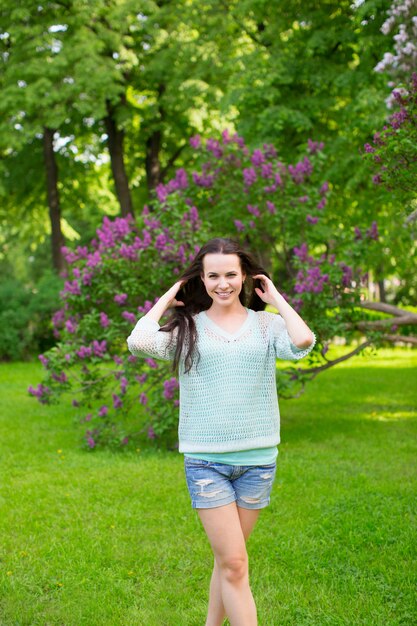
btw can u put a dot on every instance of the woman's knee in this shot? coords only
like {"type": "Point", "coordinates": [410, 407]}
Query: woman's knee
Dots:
{"type": "Point", "coordinates": [234, 568]}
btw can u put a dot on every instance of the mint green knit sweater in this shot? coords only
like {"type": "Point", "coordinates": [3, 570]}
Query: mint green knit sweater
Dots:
{"type": "Point", "coordinates": [228, 400]}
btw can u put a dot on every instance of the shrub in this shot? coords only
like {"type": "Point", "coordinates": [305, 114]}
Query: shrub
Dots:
{"type": "Point", "coordinates": [278, 210]}
{"type": "Point", "coordinates": [25, 316]}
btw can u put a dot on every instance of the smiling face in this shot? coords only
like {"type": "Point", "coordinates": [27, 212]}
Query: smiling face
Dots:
{"type": "Point", "coordinates": [223, 278]}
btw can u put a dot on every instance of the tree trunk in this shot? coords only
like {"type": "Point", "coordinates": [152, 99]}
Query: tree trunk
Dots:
{"type": "Point", "coordinates": [152, 162]}
{"type": "Point", "coordinates": [154, 174]}
{"type": "Point", "coordinates": [57, 238]}
{"type": "Point", "coordinates": [115, 142]}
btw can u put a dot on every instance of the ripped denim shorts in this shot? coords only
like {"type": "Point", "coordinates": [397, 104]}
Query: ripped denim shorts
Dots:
{"type": "Point", "coordinates": [214, 484]}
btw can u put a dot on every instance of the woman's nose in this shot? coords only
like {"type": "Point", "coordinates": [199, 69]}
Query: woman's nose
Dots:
{"type": "Point", "coordinates": [223, 282]}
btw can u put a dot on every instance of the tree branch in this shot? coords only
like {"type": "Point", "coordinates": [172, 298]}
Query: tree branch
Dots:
{"type": "Point", "coordinates": [403, 338]}
{"type": "Point", "coordinates": [383, 307]}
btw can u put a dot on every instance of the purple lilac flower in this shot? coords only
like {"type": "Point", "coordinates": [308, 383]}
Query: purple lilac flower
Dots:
{"type": "Point", "coordinates": [347, 274]}
{"type": "Point", "coordinates": [69, 255]}
{"type": "Point", "coordinates": [181, 178]}
{"type": "Point", "coordinates": [311, 280]}
{"type": "Point", "coordinates": [141, 378]}
{"type": "Point", "coordinates": [303, 199]}
{"type": "Point", "coordinates": [300, 170]}
{"type": "Point", "coordinates": [204, 180]}
{"type": "Point", "coordinates": [43, 360]}
{"type": "Point", "coordinates": [257, 158]}
{"type": "Point", "coordinates": [83, 352]}
{"type": "Point", "coordinates": [117, 401]}
{"type": "Point", "coordinates": [71, 326]}
{"type": "Point", "coordinates": [104, 320]}
{"type": "Point", "coordinates": [239, 225]}
{"type": "Point", "coordinates": [86, 278]}
{"type": "Point", "coordinates": [146, 307]}
{"type": "Point", "coordinates": [315, 146]}
{"type": "Point", "coordinates": [195, 142]}
{"type": "Point", "coordinates": [90, 442]}
{"type": "Point", "coordinates": [58, 318]}
{"type": "Point", "coordinates": [152, 364]}
{"type": "Point", "coordinates": [88, 417]}
{"type": "Point", "coordinates": [398, 118]}
{"type": "Point", "coordinates": [41, 392]}
{"type": "Point", "coordinates": [94, 259]}
{"type": "Point", "coordinates": [99, 348]}
{"type": "Point", "coordinates": [76, 272]}
{"type": "Point", "coordinates": [226, 137]}
{"type": "Point", "coordinates": [253, 210]}
{"type": "Point", "coordinates": [267, 170]}
{"type": "Point", "coordinates": [123, 385]}
{"type": "Point", "coordinates": [358, 233]}
{"type": "Point", "coordinates": [118, 360]}
{"type": "Point", "coordinates": [72, 287]}
{"type": "Point", "coordinates": [160, 242]}
{"type": "Point", "coordinates": [372, 232]}
{"type": "Point", "coordinates": [128, 252]}
{"type": "Point", "coordinates": [269, 151]}
{"type": "Point", "coordinates": [368, 148]}
{"type": "Point", "coordinates": [312, 220]}
{"type": "Point", "coordinates": [120, 298]}
{"type": "Point", "coordinates": [60, 378]}
{"type": "Point", "coordinates": [252, 224]}
{"type": "Point", "coordinates": [249, 176]}
{"type": "Point", "coordinates": [215, 148]}
{"type": "Point", "coordinates": [239, 140]}
{"type": "Point", "coordinates": [271, 207]}
{"type": "Point", "coordinates": [103, 410]}
{"type": "Point", "coordinates": [301, 252]}
{"type": "Point", "coordinates": [143, 398]}
{"type": "Point", "coordinates": [125, 441]}
{"type": "Point", "coordinates": [161, 192]}
{"type": "Point", "coordinates": [322, 204]}
{"type": "Point", "coordinates": [377, 180]}
{"type": "Point", "coordinates": [75, 403]}
{"type": "Point", "coordinates": [132, 358]}
{"type": "Point", "coordinates": [129, 317]}
{"type": "Point", "coordinates": [151, 433]}
{"type": "Point", "coordinates": [152, 223]}
{"type": "Point", "coordinates": [170, 387]}
{"type": "Point", "coordinates": [324, 188]}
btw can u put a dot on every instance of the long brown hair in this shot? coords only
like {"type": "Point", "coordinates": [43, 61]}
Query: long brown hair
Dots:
{"type": "Point", "coordinates": [195, 297]}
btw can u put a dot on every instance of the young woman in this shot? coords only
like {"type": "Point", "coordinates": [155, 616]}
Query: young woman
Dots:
{"type": "Point", "coordinates": [225, 347]}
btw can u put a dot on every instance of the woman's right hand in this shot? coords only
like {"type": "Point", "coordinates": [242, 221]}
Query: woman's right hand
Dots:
{"type": "Point", "coordinates": [170, 295]}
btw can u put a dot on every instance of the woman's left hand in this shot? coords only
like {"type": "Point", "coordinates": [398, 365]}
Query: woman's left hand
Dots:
{"type": "Point", "coordinates": [269, 292]}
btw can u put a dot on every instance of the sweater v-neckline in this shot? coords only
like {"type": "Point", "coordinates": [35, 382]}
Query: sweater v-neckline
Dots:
{"type": "Point", "coordinates": [218, 328]}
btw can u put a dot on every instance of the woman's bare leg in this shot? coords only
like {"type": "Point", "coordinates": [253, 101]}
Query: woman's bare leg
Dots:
{"type": "Point", "coordinates": [227, 529]}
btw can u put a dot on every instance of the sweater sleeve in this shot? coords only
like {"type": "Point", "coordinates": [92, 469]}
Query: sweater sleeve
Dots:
{"type": "Point", "coordinates": [284, 348]}
{"type": "Point", "coordinates": [146, 339]}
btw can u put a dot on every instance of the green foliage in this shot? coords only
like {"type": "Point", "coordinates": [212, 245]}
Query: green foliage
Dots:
{"type": "Point", "coordinates": [25, 316]}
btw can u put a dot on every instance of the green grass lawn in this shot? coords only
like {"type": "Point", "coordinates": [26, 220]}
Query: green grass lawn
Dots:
{"type": "Point", "coordinates": [107, 539]}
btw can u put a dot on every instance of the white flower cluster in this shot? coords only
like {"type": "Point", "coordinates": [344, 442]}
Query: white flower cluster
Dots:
{"type": "Point", "coordinates": [403, 15]}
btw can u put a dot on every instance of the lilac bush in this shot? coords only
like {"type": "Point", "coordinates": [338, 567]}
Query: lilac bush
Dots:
{"type": "Point", "coordinates": [276, 209]}
{"type": "Point", "coordinates": [393, 150]}
{"type": "Point", "coordinates": [105, 292]}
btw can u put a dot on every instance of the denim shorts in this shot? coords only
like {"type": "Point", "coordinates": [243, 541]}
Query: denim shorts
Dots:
{"type": "Point", "coordinates": [214, 484]}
